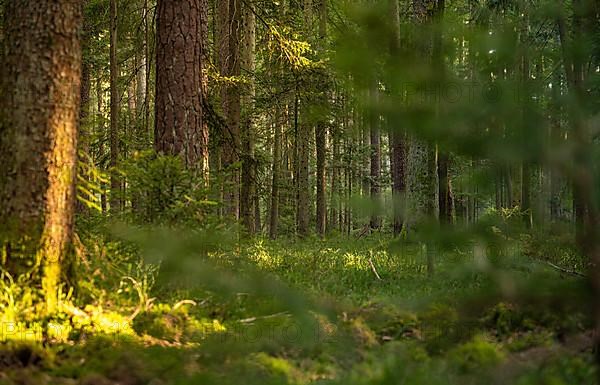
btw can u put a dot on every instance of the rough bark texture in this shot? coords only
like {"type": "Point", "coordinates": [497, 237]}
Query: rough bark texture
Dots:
{"type": "Point", "coordinates": [179, 124]}
{"type": "Point", "coordinates": [39, 109]}
{"type": "Point", "coordinates": [248, 188]}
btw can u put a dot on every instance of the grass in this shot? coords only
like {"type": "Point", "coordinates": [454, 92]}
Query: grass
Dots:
{"type": "Point", "coordinates": [299, 312]}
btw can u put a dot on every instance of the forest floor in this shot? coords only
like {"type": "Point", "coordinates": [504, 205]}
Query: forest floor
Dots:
{"type": "Point", "coordinates": [338, 311]}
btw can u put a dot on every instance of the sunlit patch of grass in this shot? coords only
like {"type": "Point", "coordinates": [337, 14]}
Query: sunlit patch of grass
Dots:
{"type": "Point", "coordinates": [175, 324]}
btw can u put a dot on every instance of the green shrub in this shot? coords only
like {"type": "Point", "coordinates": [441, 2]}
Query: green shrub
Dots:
{"type": "Point", "coordinates": [477, 354]}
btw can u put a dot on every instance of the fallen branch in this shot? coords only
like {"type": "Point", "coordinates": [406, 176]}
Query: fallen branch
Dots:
{"type": "Point", "coordinates": [252, 319]}
{"type": "Point", "coordinates": [374, 269]}
{"type": "Point", "coordinates": [566, 271]}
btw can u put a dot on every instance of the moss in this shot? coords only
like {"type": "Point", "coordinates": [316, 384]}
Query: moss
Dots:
{"type": "Point", "coordinates": [528, 340]}
{"type": "Point", "coordinates": [477, 354]}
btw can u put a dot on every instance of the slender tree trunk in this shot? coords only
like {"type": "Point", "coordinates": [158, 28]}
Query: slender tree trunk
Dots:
{"type": "Point", "coordinates": [321, 132]}
{"type": "Point", "coordinates": [229, 29]}
{"type": "Point", "coordinates": [101, 129]}
{"type": "Point", "coordinates": [39, 107]}
{"type": "Point", "coordinates": [555, 141]}
{"type": "Point", "coordinates": [203, 160]}
{"type": "Point", "coordinates": [375, 175]}
{"type": "Point", "coordinates": [444, 195]}
{"type": "Point", "coordinates": [84, 113]}
{"type": "Point", "coordinates": [525, 166]}
{"type": "Point", "coordinates": [115, 183]}
{"type": "Point", "coordinates": [335, 183]}
{"type": "Point", "coordinates": [248, 188]}
{"type": "Point", "coordinates": [274, 214]}
{"type": "Point", "coordinates": [304, 134]}
{"type": "Point", "coordinates": [320, 143]}
{"type": "Point", "coordinates": [148, 63]}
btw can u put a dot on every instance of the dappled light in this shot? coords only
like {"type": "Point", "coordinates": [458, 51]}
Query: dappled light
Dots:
{"type": "Point", "coordinates": [299, 192]}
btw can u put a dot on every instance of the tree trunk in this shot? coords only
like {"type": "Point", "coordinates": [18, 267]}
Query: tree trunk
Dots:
{"type": "Point", "coordinates": [397, 136]}
{"type": "Point", "coordinates": [179, 126]}
{"type": "Point", "coordinates": [229, 26]}
{"type": "Point", "coordinates": [335, 211]}
{"type": "Point", "coordinates": [39, 109]}
{"type": "Point", "coordinates": [321, 131]}
{"type": "Point", "coordinates": [375, 174]}
{"type": "Point", "coordinates": [303, 214]}
{"type": "Point", "coordinates": [320, 143]}
{"type": "Point", "coordinates": [84, 112]}
{"type": "Point", "coordinates": [274, 214]}
{"type": "Point", "coordinates": [115, 184]}
{"type": "Point", "coordinates": [101, 129]}
{"type": "Point", "coordinates": [248, 188]}
{"type": "Point", "coordinates": [525, 166]}
{"type": "Point", "coordinates": [444, 195]}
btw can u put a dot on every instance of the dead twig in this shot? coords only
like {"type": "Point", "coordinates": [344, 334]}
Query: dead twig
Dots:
{"type": "Point", "coordinates": [374, 269]}
{"type": "Point", "coordinates": [566, 271]}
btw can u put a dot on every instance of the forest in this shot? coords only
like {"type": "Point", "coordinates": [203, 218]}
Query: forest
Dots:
{"type": "Point", "coordinates": [400, 192]}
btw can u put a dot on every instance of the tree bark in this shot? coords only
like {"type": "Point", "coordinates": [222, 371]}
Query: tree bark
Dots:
{"type": "Point", "coordinates": [375, 163]}
{"type": "Point", "coordinates": [248, 188]}
{"type": "Point", "coordinates": [398, 142]}
{"type": "Point", "coordinates": [320, 143]}
{"type": "Point", "coordinates": [229, 26]}
{"type": "Point", "coordinates": [84, 112]}
{"type": "Point", "coordinates": [100, 127]}
{"type": "Point", "coordinates": [39, 108]}
{"type": "Point", "coordinates": [321, 131]}
{"type": "Point", "coordinates": [304, 133]}
{"type": "Point", "coordinates": [444, 193]}
{"type": "Point", "coordinates": [274, 213]}
{"type": "Point", "coordinates": [115, 184]}
{"type": "Point", "coordinates": [179, 123]}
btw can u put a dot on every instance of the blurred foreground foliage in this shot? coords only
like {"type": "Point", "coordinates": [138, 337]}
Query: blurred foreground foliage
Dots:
{"type": "Point", "coordinates": [172, 306]}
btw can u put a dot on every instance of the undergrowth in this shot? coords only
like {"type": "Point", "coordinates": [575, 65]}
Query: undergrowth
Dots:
{"type": "Point", "coordinates": [336, 311]}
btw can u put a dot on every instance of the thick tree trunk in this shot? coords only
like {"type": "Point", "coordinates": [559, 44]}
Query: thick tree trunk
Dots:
{"type": "Point", "coordinates": [39, 108]}
{"type": "Point", "coordinates": [179, 125]}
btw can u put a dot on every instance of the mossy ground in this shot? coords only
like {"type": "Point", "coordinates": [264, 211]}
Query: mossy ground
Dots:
{"type": "Point", "coordinates": [461, 326]}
